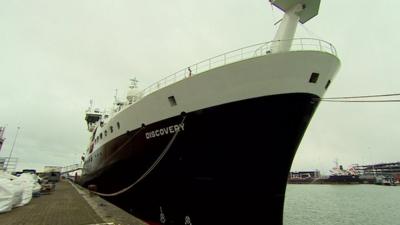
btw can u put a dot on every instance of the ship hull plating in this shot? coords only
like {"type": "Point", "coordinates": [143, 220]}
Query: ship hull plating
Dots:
{"type": "Point", "coordinates": [228, 164]}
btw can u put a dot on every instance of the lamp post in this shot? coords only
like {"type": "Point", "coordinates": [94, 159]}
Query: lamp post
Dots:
{"type": "Point", "coordinates": [12, 148]}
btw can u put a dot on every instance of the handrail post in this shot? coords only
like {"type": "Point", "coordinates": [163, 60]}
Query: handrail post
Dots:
{"type": "Point", "coordinates": [224, 59]}
{"type": "Point", "coordinates": [301, 44]}
{"type": "Point", "coordinates": [320, 45]}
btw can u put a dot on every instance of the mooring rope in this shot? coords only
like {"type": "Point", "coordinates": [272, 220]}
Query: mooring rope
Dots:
{"type": "Point", "coordinates": [160, 157]}
{"type": "Point", "coordinates": [361, 98]}
{"type": "Point", "coordinates": [364, 96]}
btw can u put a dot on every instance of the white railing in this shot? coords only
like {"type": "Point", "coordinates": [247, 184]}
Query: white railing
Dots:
{"type": "Point", "coordinates": [248, 52]}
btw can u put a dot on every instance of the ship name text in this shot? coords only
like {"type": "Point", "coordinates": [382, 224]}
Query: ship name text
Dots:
{"type": "Point", "coordinates": [166, 130]}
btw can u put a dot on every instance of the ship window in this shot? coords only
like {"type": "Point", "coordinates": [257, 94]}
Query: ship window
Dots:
{"type": "Point", "coordinates": [105, 133]}
{"type": "Point", "coordinates": [118, 126]}
{"type": "Point", "coordinates": [172, 100]}
{"type": "Point", "coordinates": [111, 129]}
{"type": "Point", "coordinates": [101, 135]}
{"type": "Point", "coordinates": [327, 84]}
{"type": "Point", "coordinates": [314, 78]}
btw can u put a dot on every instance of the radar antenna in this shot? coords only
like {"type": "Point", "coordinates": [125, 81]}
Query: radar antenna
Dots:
{"type": "Point", "coordinates": [134, 82]}
{"type": "Point", "coordinates": [116, 96]}
{"type": "Point", "coordinates": [90, 104]}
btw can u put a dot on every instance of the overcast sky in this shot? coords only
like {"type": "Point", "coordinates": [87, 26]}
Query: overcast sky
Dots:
{"type": "Point", "coordinates": [57, 55]}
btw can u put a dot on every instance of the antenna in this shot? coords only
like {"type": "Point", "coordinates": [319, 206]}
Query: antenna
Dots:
{"type": "Point", "coordinates": [91, 104]}
{"type": "Point", "coordinates": [12, 148]}
{"type": "Point", "coordinates": [116, 96]}
{"type": "Point", "coordinates": [134, 82]}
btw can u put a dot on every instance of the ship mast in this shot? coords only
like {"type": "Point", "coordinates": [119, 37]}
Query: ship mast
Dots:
{"type": "Point", "coordinates": [295, 11]}
{"type": "Point", "coordinates": [2, 139]}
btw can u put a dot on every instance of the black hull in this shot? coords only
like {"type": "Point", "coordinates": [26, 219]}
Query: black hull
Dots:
{"type": "Point", "coordinates": [344, 179]}
{"type": "Point", "coordinates": [229, 165]}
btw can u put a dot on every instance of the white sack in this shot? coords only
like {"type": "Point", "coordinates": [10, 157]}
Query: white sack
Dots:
{"type": "Point", "coordinates": [26, 181]}
{"type": "Point", "coordinates": [6, 194]}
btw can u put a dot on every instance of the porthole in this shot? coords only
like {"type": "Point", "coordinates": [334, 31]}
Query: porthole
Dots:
{"type": "Point", "coordinates": [327, 84]}
{"type": "Point", "coordinates": [172, 100]}
{"type": "Point", "coordinates": [314, 78]}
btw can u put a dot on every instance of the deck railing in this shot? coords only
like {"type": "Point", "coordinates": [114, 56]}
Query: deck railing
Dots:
{"type": "Point", "coordinates": [265, 48]}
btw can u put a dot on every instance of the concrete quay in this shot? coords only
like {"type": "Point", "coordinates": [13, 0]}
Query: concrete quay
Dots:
{"type": "Point", "coordinates": [69, 204]}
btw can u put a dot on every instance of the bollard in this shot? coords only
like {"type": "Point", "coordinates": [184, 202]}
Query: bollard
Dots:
{"type": "Point", "coordinates": [92, 188]}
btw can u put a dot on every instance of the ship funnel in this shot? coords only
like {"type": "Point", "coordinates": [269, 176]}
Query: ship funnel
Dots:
{"type": "Point", "coordinates": [295, 11]}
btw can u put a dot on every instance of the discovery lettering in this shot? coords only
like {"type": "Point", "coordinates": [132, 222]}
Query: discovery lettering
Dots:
{"type": "Point", "coordinates": [165, 130]}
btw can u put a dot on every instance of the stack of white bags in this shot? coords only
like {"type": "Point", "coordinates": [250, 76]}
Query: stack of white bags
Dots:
{"type": "Point", "coordinates": [17, 191]}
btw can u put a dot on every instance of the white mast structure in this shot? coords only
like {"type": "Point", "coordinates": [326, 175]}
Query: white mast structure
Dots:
{"type": "Point", "coordinates": [295, 11]}
{"type": "Point", "coordinates": [2, 139]}
{"type": "Point", "coordinates": [12, 148]}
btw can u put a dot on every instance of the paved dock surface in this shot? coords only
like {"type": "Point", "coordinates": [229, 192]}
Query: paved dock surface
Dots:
{"type": "Point", "coordinates": [68, 205]}
{"type": "Point", "coordinates": [64, 206]}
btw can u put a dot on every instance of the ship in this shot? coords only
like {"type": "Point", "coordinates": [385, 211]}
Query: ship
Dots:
{"type": "Point", "coordinates": [339, 175]}
{"type": "Point", "coordinates": [198, 146]}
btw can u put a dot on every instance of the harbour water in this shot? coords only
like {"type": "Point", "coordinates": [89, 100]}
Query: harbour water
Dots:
{"type": "Point", "coordinates": [342, 204]}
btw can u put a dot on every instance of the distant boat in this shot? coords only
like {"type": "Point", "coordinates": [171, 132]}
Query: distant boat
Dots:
{"type": "Point", "coordinates": [214, 142]}
{"type": "Point", "coordinates": [342, 176]}
{"type": "Point", "coordinates": [386, 180]}
{"type": "Point", "coordinates": [303, 177]}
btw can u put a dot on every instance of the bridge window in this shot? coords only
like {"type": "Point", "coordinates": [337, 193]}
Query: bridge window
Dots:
{"type": "Point", "coordinates": [118, 125]}
{"type": "Point", "coordinates": [101, 135]}
{"type": "Point", "coordinates": [105, 133]}
{"type": "Point", "coordinates": [111, 129]}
